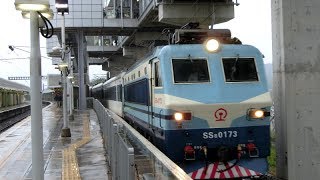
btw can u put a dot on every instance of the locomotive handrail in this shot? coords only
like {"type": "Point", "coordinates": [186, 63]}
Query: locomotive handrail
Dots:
{"type": "Point", "coordinates": [160, 113]}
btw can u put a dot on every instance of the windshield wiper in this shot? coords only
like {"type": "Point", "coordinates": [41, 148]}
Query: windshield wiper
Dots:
{"type": "Point", "coordinates": [234, 68]}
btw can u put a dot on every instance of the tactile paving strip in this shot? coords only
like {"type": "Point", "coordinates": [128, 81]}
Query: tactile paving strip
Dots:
{"type": "Point", "coordinates": [70, 167]}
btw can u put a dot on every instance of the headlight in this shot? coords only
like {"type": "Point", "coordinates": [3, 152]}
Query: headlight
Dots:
{"type": "Point", "coordinates": [257, 113]}
{"type": "Point", "coordinates": [178, 116]}
{"type": "Point", "coordinates": [212, 45]}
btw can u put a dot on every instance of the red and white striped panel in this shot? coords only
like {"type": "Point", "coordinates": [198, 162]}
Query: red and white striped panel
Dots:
{"type": "Point", "coordinates": [212, 172]}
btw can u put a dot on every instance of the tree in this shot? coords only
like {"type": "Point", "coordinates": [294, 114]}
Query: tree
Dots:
{"type": "Point", "coordinates": [97, 80]}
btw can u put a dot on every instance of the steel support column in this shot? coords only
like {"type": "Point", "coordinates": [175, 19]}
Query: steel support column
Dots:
{"type": "Point", "coordinates": [36, 102]}
{"type": "Point", "coordinates": [82, 90]}
{"type": "Point", "coordinates": [65, 130]}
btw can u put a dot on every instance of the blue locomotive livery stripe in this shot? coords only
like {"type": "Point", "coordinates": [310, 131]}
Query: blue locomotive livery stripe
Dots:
{"type": "Point", "coordinates": [221, 101]}
{"type": "Point", "coordinates": [219, 136]}
{"type": "Point", "coordinates": [164, 117]}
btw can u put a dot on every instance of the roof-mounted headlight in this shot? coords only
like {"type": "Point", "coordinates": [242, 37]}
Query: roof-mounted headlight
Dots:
{"type": "Point", "coordinates": [212, 45]}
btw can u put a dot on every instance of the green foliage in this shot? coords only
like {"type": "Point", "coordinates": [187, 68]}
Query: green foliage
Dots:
{"type": "Point", "coordinates": [97, 81]}
{"type": "Point", "coordinates": [272, 160]}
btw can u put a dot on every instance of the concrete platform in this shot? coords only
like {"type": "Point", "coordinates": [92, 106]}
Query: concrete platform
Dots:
{"type": "Point", "coordinates": [4, 109]}
{"type": "Point", "coordinates": [81, 155]}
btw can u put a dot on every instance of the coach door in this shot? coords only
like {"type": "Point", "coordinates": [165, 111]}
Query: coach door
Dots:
{"type": "Point", "coordinates": [156, 85]}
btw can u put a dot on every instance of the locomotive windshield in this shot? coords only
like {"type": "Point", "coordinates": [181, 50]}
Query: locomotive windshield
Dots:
{"type": "Point", "coordinates": [190, 70]}
{"type": "Point", "coordinates": [239, 69]}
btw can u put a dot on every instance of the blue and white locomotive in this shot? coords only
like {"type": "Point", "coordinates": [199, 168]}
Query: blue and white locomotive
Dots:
{"type": "Point", "coordinates": [203, 101]}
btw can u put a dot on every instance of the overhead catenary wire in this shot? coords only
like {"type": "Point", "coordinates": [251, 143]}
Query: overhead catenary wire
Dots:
{"type": "Point", "coordinates": [12, 48]}
{"type": "Point", "coordinates": [27, 47]}
{"type": "Point", "coordinates": [196, 10]}
{"type": "Point", "coordinates": [6, 59]}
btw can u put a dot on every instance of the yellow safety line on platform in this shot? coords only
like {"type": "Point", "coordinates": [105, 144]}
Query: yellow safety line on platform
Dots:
{"type": "Point", "coordinates": [70, 167]}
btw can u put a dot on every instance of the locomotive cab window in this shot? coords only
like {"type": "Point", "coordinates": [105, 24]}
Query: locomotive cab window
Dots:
{"type": "Point", "coordinates": [240, 69]}
{"type": "Point", "coordinates": [190, 70]}
{"type": "Point", "coordinates": [157, 75]}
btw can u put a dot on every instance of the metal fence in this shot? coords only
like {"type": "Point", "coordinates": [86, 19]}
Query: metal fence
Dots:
{"type": "Point", "coordinates": [118, 136]}
{"type": "Point", "coordinates": [120, 152]}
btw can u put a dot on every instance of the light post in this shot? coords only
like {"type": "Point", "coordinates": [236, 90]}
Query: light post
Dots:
{"type": "Point", "coordinates": [70, 77]}
{"type": "Point", "coordinates": [62, 8]}
{"type": "Point", "coordinates": [35, 6]}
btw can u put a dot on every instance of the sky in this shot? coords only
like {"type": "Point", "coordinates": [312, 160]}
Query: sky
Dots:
{"type": "Point", "coordinates": [15, 31]}
{"type": "Point", "coordinates": [252, 25]}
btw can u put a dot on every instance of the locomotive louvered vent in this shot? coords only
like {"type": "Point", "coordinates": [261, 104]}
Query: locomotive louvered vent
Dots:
{"type": "Point", "coordinates": [198, 36]}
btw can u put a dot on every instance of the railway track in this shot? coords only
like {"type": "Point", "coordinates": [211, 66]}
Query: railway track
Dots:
{"type": "Point", "coordinates": [10, 117]}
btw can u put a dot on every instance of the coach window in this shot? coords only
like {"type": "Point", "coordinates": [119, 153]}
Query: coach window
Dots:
{"type": "Point", "coordinates": [157, 75]}
{"type": "Point", "coordinates": [119, 92]}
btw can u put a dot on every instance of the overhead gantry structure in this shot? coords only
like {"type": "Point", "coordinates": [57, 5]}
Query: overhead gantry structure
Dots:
{"type": "Point", "coordinates": [116, 33]}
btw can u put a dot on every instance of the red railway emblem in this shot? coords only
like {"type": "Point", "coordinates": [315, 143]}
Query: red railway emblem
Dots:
{"type": "Point", "coordinates": [220, 114]}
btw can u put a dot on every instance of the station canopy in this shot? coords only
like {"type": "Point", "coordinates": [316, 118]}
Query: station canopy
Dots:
{"type": "Point", "coordinates": [6, 84]}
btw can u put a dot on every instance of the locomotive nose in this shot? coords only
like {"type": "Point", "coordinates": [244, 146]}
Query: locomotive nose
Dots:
{"type": "Point", "coordinates": [224, 154]}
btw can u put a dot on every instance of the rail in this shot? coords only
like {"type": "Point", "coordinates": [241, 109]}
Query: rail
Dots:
{"type": "Point", "coordinates": [13, 114]}
{"type": "Point", "coordinates": [119, 138]}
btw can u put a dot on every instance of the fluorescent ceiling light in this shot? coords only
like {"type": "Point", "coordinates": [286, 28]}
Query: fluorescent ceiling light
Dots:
{"type": "Point", "coordinates": [32, 5]}
{"type": "Point", "coordinates": [48, 15]}
{"type": "Point", "coordinates": [61, 6]}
